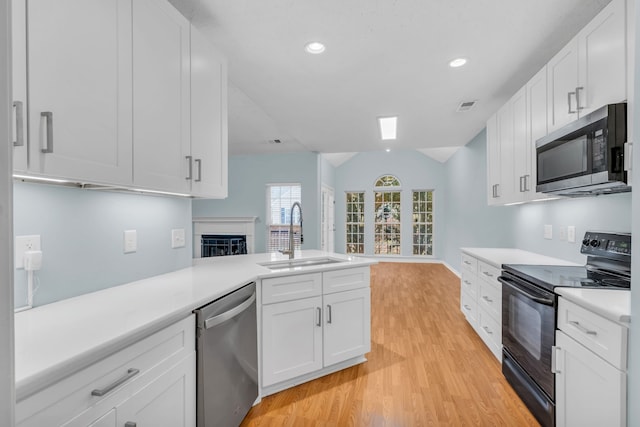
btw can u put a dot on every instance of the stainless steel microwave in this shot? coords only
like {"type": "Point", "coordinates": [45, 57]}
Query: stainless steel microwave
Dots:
{"type": "Point", "coordinates": [585, 157]}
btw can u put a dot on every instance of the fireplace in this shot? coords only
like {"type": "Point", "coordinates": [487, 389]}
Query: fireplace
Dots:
{"type": "Point", "coordinates": [216, 236]}
{"type": "Point", "coordinates": [223, 245]}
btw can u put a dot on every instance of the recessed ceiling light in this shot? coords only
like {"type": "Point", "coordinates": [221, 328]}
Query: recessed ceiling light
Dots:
{"type": "Point", "coordinates": [387, 150]}
{"type": "Point", "coordinates": [314, 48]}
{"type": "Point", "coordinates": [458, 62]}
{"type": "Point", "coordinates": [388, 127]}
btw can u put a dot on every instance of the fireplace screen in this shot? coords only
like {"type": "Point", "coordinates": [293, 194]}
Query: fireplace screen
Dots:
{"type": "Point", "coordinates": [221, 245]}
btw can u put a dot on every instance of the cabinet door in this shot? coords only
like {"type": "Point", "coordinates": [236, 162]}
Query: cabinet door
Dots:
{"type": "Point", "coordinates": [160, 97]}
{"type": "Point", "coordinates": [80, 62]}
{"type": "Point", "coordinates": [291, 339]}
{"type": "Point", "coordinates": [562, 80]}
{"type": "Point", "coordinates": [602, 59]}
{"type": "Point", "coordinates": [208, 119]}
{"type": "Point", "coordinates": [168, 401]}
{"type": "Point", "coordinates": [536, 126]}
{"type": "Point", "coordinates": [19, 64]}
{"type": "Point", "coordinates": [589, 391]}
{"type": "Point", "coordinates": [347, 325]}
{"type": "Point", "coordinates": [521, 147]}
{"type": "Point", "coordinates": [493, 161]}
{"type": "Point", "coordinates": [507, 171]}
{"type": "Point", "coordinates": [107, 420]}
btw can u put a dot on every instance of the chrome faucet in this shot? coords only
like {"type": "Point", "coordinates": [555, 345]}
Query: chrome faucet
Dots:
{"type": "Point", "coordinates": [291, 243]}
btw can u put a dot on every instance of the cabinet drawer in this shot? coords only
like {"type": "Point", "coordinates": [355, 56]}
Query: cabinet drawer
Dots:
{"type": "Point", "coordinates": [287, 288]}
{"type": "Point", "coordinates": [74, 395]}
{"type": "Point", "coordinates": [602, 336]}
{"type": "Point", "coordinates": [490, 299]}
{"type": "Point", "coordinates": [488, 272]}
{"type": "Point", "coordinates": [469, 283]}
{"type": "Point", "coordinates": [491, 332]}
{"type": "Point", "coordinates": [469, 308]}
{"type": "Point", "coordinates": [469, 263]}
{"type": "Point", "coordinates": [345, 280]}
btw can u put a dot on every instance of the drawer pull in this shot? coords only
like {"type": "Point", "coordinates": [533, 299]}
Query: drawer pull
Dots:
{"type": "Point", "coordinates": [467, 262]}
{"type": "Point", "coordinates": [582, 328]}
{"type": "Point", "coordinates": [131, 372]}
{"type": "Point", "coordinates": [487, 299]}
{"type": "Point", "coordinates": [486, 273]}
{"type": "Point", "coordinates": [468, 308]}
{"type": "Point", "coordinates": [467, 282]}
{"type": "Point", "coordinates": [130, 424]}
{"type": "Point", "coordinates": [487, 330]}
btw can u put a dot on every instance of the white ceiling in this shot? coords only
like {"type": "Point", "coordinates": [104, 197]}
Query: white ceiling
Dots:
{"type": "Point", "coordinates": [383, 57]}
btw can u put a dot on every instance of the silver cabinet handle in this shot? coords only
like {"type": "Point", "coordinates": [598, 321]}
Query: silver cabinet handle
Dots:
{"type": "Point", "coordinates": [554, 360]}
{"type": "Point", "coordinates": [487, 299]}
{"type": "Point", "coordinates": [130, 424]}
{"type": "Point", "coordinates": [487, 330]}
{"type": "Point", "coordinates": [467, 262]}
{"type": "Point", "coordinates": [497, 190]}
{"type": "Point", "coordinates": [527, 179]}
{"type": "Point", "coordinates": [487, 274]}
{"type": "Point", "coordinates": [328, 313]}
{"type": "Point", "coordinates": [102, 391]}
{"type": "Point", "coordinates": [48, 116]}
{"type": "Point", "coordinates": [582, 328]}
{"type": "Point", "coordinates": [578, 107]}
{"type": "Point", "coordinates": [569, 102]}
{"type": "Point", "coordinates": [319, 310]}
{"type": "Point", "coordinates": [199, 164]}
{"type": "Point", "coordinates": [521, 190]}
{"type": "Point", "coordinates": [19, 142]}
{"type": "Point", "coordinates": [467, 282]}
{"type": "Point", "coordinates": [468, 308]}
{"type": "Point", "coordinates": [190, 174]}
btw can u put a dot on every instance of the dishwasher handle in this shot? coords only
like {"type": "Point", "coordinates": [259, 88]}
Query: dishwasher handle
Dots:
{"type": "Point", "coordinates": [223, 317]}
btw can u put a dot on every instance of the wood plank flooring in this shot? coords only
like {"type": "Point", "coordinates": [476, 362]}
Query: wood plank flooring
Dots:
{"type": "Point", "coordinates": [427, 367]}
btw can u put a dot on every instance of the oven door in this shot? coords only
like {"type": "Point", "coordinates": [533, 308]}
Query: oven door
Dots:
{"type": "Point", "coordinates": [528, 328]}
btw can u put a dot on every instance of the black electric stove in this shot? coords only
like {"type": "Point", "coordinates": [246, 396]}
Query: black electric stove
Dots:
{"type": "Point", "coordinates": [608, 265]}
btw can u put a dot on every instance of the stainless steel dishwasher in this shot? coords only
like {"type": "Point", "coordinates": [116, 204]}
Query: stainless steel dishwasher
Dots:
{"type": "Point", "coordinates": [227, 368]}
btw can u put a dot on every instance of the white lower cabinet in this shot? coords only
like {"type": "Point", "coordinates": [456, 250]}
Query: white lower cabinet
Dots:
{"type": "Point", "coordinates": [149, 383]}
{"type": "Point", "coordinates": [481, 301]}
{"type": "Point", "coordinates": [590, 369]}
{"type": "Point", "coordinates": [306, 336]}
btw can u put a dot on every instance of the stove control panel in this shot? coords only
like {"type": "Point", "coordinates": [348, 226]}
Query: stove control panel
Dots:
{"type": "Point", "coordinates": [607, 245]}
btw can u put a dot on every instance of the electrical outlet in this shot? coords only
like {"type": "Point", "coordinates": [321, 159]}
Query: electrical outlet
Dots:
{"type": "Point", "coordinates": [24, 244]}
{"type": "Point", "coordinates": [130, 241]}
{"type": "Point", "coordinates": [548, 232]}
{"type": "Point", "coordinates": [571, 234]}
{"type": "Point", "coordinates": [177, 238]}
{"type": "Point", "coordinates": [562, 233]}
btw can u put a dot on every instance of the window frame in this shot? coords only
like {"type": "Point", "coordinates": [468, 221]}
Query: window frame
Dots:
{"type": "Point", "coordinates": [426, 223]}
{"type": "Point", "coordinates": [386, 187]}
{"type": "Point", "coordinates": [362, 224]}
{"type": "Point", "coordinates": [282, 242]}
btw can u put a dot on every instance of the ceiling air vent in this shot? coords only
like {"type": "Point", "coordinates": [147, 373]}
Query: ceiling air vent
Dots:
{"type": "Point", "coordinates": [275, 141]}
{"type": "Point", "coordinates": [465, 106]}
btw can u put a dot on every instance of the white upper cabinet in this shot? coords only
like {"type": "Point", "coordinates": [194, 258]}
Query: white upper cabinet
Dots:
{"type": "Point", "coordinates": [208, 119]}
{"type": "Point", "coordinates": [536, 128]}
{"type": "Point", "coordinates": [591, 71]}
{"type": "Point", "coordinates": [79, 80]}
{"type": "Point", "coordinates": [521, 148]}
{"type": "Point", "coordinates": [19, 64]}
{"type": "Point", "coordinates": [161, 92]}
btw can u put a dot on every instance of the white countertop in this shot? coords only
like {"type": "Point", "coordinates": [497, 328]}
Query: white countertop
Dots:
{"type": "Point", "coordinates": [613, 304]}
{"type": "Point", "coordinates": [499, 256]}
{"type": "Point", "coordinates": [55, 340]}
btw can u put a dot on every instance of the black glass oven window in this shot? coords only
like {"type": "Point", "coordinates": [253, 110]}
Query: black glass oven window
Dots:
{"type": "Point", "coordinates": [525, 325]}
{"type": "Point", "coordinates": [566, 160]}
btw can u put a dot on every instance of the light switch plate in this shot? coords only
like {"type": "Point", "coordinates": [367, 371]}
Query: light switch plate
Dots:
{"type": "Point", "coordinates": [571, 234]}
{"type": "Point", "coordinates": [177, 238]}
{"type": "Point", "coordinates": [130, 241]}
{"type": "Point", "coordinates": [24, 244]}
{"type": "Point", "coordinates": [548, 232]}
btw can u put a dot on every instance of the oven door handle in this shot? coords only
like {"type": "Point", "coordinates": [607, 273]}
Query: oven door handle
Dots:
{"type": "Point", "coordinates": [515, 287]}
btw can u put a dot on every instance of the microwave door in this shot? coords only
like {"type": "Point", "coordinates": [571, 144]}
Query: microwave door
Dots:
{"type": "Point", "coordinates": [564, 164]}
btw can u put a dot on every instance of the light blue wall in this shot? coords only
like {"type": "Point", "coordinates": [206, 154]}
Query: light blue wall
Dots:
{"type": "Point", "coordinates": [415, 172]}
{"type": "Point", "coordinates": [607, 213]}
{"type": "Point", "coordinates": [328, 173]}
{"type": "Point", "coordinates": [82, 236]}
{"type": "Point", "coordinates": [248, 176]}
{"type": "Point", "coordinates": [470, 222]}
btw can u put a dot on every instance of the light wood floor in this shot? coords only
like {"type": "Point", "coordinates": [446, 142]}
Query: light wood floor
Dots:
{"type": "Point", "coordinates": [426, 367]}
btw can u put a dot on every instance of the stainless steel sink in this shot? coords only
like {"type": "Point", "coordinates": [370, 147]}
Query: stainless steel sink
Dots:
{"type": "Point", "coordinates": [294, 263]}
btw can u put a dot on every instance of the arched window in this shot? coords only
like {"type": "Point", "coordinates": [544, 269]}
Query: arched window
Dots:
{"type": "Point", "coordinates": [387, 215]}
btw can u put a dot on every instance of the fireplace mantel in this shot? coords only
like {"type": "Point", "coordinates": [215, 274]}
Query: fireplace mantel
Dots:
{"type": "Point", "coordinates": [242, 225]}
